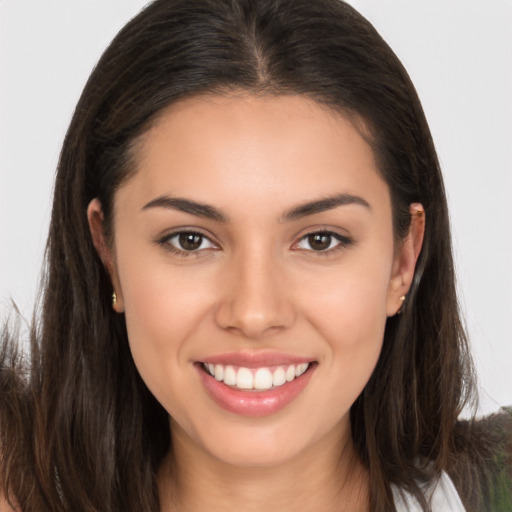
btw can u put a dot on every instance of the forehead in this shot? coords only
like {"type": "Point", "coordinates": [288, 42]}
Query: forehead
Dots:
{"type": "Point", "coordinates": [254, 148]}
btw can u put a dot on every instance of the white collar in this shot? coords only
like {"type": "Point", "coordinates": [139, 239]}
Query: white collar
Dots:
{"type": "Point", "coordinates": [442, 496]}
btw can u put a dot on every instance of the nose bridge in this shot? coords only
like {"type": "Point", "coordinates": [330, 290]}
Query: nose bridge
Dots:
{"type": "Point", "coordinates": [255, 301]}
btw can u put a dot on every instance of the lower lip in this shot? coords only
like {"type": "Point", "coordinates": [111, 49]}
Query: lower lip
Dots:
{"type": "Point", "coordinates": [254, 403]}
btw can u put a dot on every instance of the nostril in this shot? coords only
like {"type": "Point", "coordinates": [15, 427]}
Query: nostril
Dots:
{"type": "Point", "coordinates": [255, 317]}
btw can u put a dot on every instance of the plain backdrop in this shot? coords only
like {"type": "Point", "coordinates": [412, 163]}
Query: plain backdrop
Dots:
{"type": "Point", "coordinates": [458, 53]}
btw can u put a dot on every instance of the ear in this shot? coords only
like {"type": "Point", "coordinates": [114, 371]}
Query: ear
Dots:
{"type": "Point", "coordinates": [405, 261]}
{"type": "Point", "coordinates": [95, 218]}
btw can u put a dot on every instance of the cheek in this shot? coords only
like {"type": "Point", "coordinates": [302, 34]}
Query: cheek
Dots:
{"type": "Point", "coordinates": [349, 304]}
{"type": "Point", "coordinates": [348, 309]}
{"type": "Point", "coordinates": [162, 309]}
{"type": "Point", "coordinates": [355, 332]}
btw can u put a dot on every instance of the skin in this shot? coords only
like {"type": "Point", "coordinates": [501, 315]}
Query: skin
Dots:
{"type": "Point", "coordinates": [256, 285]}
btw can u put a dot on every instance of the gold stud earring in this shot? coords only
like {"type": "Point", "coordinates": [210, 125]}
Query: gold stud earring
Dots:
{"type": "Point", "coordinates": [402, 300]}
{"type": "Point", "coordinates": [114, 300]}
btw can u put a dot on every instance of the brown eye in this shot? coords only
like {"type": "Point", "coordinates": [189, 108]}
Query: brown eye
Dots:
{"type": "Point", "coordinates": [323, 241]}
{"type": "Point", "coordinates": [319, 241]}
{"type": "Point", "coordinates": [190, 241]}
{"type": "Point", "coordinates": [186, 242]}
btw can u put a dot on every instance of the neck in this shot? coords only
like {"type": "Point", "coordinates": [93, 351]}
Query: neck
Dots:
{"type": "Point", "coordinates": [329, 477]}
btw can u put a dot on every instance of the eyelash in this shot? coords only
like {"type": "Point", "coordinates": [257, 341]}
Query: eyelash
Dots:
{"type": "Point", "coordinates": [165, 242]}
{"type": "Point", "coordinates": [343, 242]}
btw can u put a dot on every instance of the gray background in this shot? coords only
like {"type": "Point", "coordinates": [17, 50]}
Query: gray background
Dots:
{"type": "Point", "coordinates": [458, 53]}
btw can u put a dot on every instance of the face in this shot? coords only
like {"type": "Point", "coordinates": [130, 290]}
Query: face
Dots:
{"type": "Point", "coordinates": [254, 260]}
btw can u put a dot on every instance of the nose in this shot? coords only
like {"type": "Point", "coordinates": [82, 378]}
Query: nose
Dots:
{"type": "Point", "coordinates": [256, 299]}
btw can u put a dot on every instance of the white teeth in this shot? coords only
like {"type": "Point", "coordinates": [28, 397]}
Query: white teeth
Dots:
{"type": "Point", "coordinates": [229, 376]}
{"type": "Point", "coordinates": [244, 379]}
{"type": "Point", "coordinates": [290, 373]}
{"type": "Point", "coordinates": [219, 372]}
{"type": "Point", "coordinates": [263, 379]}
{"type": "Point", "coordinates": [301, 368]}
{"type": "Point", "coordinates": [260, 379]}
{"type": "Point", "coordinates": [279, 377]}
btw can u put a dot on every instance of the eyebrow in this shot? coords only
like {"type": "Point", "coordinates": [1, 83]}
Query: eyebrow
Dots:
{"type": "Point", "coordinates": [210, 212]}
{"type": "Point", "coordinates": [322, 205]}
{"type": "Point", "coordinates": [186, 205]}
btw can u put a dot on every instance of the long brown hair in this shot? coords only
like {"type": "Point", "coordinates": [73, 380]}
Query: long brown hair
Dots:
{"type": "Point", "coordinates": [89, 435]}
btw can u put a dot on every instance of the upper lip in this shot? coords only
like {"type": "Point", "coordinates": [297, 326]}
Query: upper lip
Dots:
{"type": "Point", "coordinates": [256, 359]}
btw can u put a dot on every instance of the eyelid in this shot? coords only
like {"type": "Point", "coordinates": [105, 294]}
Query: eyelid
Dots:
{"type": "Point", "coordinates": [164, 241]}
{"type": "Point", "coordinates": [344, 240]}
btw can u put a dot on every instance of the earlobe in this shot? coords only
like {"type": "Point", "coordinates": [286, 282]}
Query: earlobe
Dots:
{"type": "Point", "coordinates": [405, 261]}
{"type": "Point", "coordinates": [95, 219]}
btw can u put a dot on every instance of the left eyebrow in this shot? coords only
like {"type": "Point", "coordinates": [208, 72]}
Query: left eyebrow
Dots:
{"type": "Point", "coordinates": [322, 205]}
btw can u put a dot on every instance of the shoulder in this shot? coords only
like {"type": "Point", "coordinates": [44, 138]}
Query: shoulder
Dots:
{"type": "Point", "coordinates": [482, 469]}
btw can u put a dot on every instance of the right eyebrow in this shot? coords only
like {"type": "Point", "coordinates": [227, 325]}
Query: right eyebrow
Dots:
{"type": "Point", "coordinates": [186, 205]}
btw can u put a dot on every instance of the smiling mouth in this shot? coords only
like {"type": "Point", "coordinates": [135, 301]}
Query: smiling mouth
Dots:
{"type": "Point", "coordinates": [255, 379]}
{"type": "Point", "coordinates": [255, 385]}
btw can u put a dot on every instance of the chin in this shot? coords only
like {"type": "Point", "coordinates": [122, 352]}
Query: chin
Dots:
{"type": "Point", "coordinates": [254, 454]}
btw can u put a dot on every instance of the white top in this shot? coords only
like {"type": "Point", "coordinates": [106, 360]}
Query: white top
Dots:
{"type": "Point", "coordinates": [442, 496]}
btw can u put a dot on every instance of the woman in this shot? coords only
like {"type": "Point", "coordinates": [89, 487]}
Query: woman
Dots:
{"type": "Point", "coordinates": [248, 207]}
